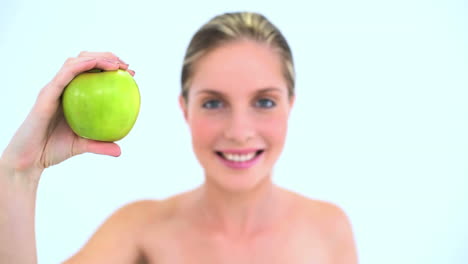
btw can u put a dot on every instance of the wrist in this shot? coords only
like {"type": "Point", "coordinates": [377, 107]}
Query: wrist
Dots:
{"type": "Point", "coordinates": [25, 177]}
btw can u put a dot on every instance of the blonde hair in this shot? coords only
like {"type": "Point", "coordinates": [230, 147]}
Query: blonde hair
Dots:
{"type": "Point", "coordinates": [235, 26]}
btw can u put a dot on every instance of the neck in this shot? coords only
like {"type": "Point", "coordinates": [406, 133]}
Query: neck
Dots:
{"type": "Point", "coordinates": [237, 214]}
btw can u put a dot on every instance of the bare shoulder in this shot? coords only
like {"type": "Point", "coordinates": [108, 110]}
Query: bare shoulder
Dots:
{"type": "Point", "coordinates": [139, 211]}
{"type": "Point", "coordinates": [333, 223]}
{"type": "Point", "coordinates": [136, 215]}
{"type": "Point", "coordinates": [318, 210]}
{"type": "Point", "coordinates": [125, 225]}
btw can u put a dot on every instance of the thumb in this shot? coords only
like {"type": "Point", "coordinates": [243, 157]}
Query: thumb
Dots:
{"type": "Point", "coordinates": [92, 146]}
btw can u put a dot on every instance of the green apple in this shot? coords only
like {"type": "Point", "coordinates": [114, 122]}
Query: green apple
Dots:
{"type": "Point", "coordinates": [101, 106]}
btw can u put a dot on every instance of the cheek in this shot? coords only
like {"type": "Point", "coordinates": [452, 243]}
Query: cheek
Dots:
{"type": "Point", "coordinates": [274, 129]}
{"type": "Point", "coordinates": [204, 131]}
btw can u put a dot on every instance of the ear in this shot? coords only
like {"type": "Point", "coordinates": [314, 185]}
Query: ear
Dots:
{"type": "Point", "coordinates": [292, 99]}
{"type": "Point", "coordinates": [183, 106]}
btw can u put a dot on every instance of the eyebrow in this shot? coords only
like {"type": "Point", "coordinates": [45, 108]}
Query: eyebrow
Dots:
{"type": "Point", "coordinates": [264, 90]}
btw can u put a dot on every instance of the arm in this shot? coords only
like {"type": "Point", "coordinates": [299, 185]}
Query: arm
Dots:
{"type": "Point", "coordinates": [342, 243]}
{"type": "Point", "coordinates": [44, 139]}
{"type": "Point", "coordinates": [17, 208]}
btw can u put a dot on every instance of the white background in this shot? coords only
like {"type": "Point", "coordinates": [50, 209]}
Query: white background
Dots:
{"type": "Point", "coordinates": [379, 127]}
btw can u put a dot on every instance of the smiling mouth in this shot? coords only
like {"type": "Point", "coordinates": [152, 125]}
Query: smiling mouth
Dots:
{"type": "Point", "coordinates": [239, 157]}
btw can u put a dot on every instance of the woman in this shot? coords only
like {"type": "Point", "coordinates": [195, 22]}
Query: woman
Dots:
{"type": "Point", "coordinates": [237, 93]}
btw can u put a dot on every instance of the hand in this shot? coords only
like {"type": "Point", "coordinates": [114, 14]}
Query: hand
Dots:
{"type": "Point", "coordinates": [45, 139]}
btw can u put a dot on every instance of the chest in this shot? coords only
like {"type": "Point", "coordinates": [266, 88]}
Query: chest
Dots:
{"type": "Point", "coordinates": [294, 245]}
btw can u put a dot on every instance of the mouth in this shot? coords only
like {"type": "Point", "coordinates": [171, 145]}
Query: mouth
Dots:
{"type": "Point", "coordinates": [239, 157]}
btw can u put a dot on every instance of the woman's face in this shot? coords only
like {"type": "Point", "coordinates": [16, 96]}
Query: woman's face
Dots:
{"type": "Point", "coordinates": [237, 111]}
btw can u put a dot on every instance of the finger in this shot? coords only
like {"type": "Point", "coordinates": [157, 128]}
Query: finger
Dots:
{"type": "Point", "coordinates": [71, 69]}
{"type": "Point", "coordinates": [91, 146]}
{"type": "Point", "coordinates": [104, 55]}
{"type": "Point", "coordinates": [123, 67]}
{"type": "Point", "coordinates": [75, 66]}
{"type": "Point", "coordinates": [132, 72]}
{"type": "Point", "coordinates": [108, 55]}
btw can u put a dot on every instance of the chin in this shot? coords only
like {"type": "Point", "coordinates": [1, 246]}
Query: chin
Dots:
{"type": "Point", "coordinates": [238, 182]}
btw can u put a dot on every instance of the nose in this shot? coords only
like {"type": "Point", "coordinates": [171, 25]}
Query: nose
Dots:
{"type": "Point", "coordinates": [240, 127]}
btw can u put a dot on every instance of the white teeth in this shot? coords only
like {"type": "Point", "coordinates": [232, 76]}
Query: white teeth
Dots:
{"type": "Point", "coordinates": [238, 157]}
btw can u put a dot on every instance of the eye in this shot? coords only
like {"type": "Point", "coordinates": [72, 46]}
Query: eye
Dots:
{"type": "Point", "coordinates": [265, 103]}
{"type": "Point", "coordinates": [212, 104]}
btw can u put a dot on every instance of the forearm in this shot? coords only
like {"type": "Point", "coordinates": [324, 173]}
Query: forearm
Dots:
{"type": "Point", "coordinates": [17, 211]}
